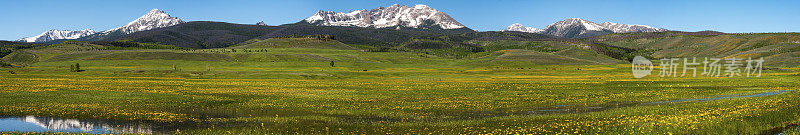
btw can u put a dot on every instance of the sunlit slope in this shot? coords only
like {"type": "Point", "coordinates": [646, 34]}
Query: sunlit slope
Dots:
{"type": "Point", "coordinates": [497, 53]}
{"type": "Point", "coordinates": [509, 52]}
{"type": "Point", "coordinates": [289, 52]}
{"type": "Point", "coordinates": [572, 56]}
{"type": "Point", "coordinates": [540, 58]}
{"type": "Point", "coordinates": [21, 57]}
{"type": "Point", "coordinates": [777, 49]}
{"type": "Point", "coordinates": [292, 43]}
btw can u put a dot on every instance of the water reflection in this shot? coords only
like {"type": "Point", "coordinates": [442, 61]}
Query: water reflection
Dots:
{"type": "Point", "coordinates": [45, 124]}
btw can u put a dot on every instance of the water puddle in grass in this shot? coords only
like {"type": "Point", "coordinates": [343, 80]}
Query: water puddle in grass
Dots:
{"type": "Point", "coordinates": [780, 130]}
{"type": "Point", "coordinates": [722, 97]}
{"type": "Point", "coordinates": [556, 109]}
{"type": "Point", "coordinates": [563, 109]}
{"type": "Point", "coordinates": [51, 124]}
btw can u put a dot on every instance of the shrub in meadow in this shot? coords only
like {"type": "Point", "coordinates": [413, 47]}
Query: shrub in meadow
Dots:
{"type": "Point", "coordinates": [75, 68]}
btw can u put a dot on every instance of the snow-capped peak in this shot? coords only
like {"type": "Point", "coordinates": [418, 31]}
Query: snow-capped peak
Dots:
{"type": "Point", "coordinates": [521, 28]}
{"type": "Point", "coordinates": [576, 27]}
{"type": "Point", "coordinates": [575, 22]}
{"type": "Point", "coordinates": [625, 28]}
{"type": "Point", "coordinates": [394, 16]}
{"type": "Point", "coordinates": [51, 35]}
{"type": "Point", "coordinates": [153, 19]}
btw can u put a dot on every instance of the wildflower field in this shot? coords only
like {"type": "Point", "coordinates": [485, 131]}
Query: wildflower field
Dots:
{"type": "Point", "coordinates": [289, 90]}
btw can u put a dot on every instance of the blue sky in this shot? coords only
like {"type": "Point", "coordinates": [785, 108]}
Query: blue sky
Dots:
{"type": "Point", "coordinates": [24, 18]}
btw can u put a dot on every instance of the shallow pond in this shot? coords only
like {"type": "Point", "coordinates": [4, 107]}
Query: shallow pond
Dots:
{"type": "Point", "coordinates": [50, 124]}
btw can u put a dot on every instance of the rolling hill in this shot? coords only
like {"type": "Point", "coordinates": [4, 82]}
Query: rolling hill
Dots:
{"type": "Point", "coordinates": [292, 43]}
{"type": "Point", "coordinates": [200, 34]}
{"type": "Point", "coordinates": [778, 49]}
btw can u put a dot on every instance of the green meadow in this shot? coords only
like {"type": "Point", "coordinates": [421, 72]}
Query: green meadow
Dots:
{"type": "Point", "coordinates": [310, 86]}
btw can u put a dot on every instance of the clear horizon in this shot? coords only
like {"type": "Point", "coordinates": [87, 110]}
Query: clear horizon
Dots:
{"type": "Point", "coordinates": [31, 18]}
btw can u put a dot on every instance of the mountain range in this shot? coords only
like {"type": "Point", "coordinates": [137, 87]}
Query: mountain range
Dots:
{"type": "Point", "coordinates": [51, 35]}
{"type": "Point", "coordinates": [394, 17]}
{"type": "Point", "coordinates": [152, 20]}
{"type": "Point", "coordinates": [579, 28]}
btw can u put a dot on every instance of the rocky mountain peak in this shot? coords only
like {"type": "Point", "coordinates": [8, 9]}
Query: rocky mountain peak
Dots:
{"type": "Point", "coordinates": [576, 27]}
{"type": "Point", "coordinates": [521, 28]}
{"type": "Point", "coordinates": [153, 19]}
{"type": "Point", "coordinates": [395, 16]}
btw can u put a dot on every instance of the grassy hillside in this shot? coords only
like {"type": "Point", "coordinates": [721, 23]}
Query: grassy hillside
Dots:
{"type": "Point", "coordinates": [311, 86]}
{"type": "Point", "coordinates": [292, 43]}
{"type": "Point", "coordinates": [207, 35]}
{"type": "Point", "coordinates": [569, 53]}
{"type": "Point", "coordinates": [650, 35]}
{"type": "Point", "coordinates": [320, 52]}
{"type": "Point", "coordinates": [540, 58]}
{"type": "Point", "coordinates": [7, 47]}
{"type": "Point", "coordinates": [316, 50]}
{"type": "Point", "coordinates": [162, 56]}
{"type": "Point", "coordinates": [590, 55]}
{"type": "Point", "coordinates": [778, 49]}
{"type": "Point", "coordinates": [296, 90]}
{"type": "Point", "coordinates": [199, 34]}
{"type": "Point", "coordinates": [270, 50]}
{"type": "Point", "coordinates": [21, 57]}
{"type": "Point", "coordinates": [541, 46]}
